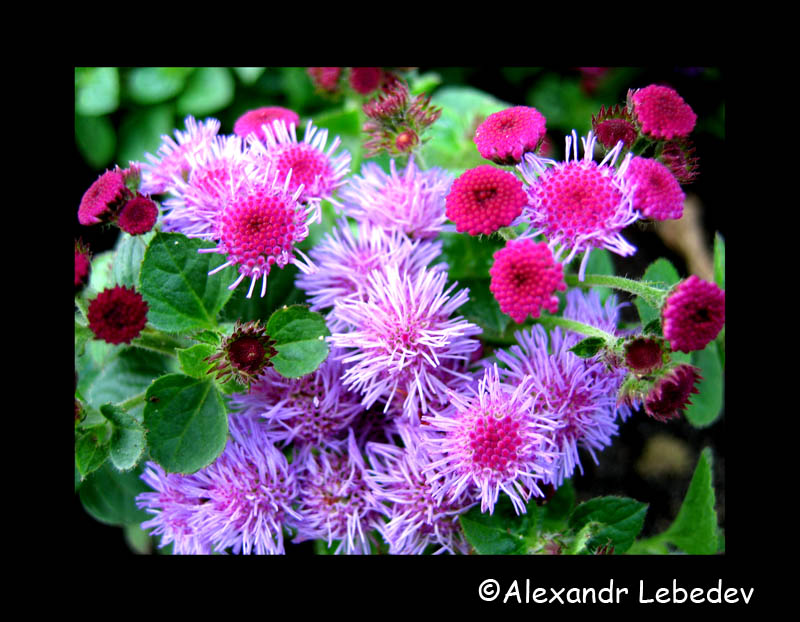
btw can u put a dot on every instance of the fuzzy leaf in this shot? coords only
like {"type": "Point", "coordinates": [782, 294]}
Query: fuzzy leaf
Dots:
{"type": "Point", "coordinates": [280, 291]}
{"type": "Point", "coordinates": [299, 335]}
{"type": "Point", "coordinates": [558, 508]}
{"type": "Point", "coordinates": [127, 437]}
{"type": "Point", "coordinates": [660, 273]}
{"type": "Point", "coordinates": [502, 532]}
{"type": "Point", "coordinates": [694, 530]}
{"type": "Point", "coordinates": [622, 520]}
{"type": "Point", "coordinates": [110, 496]}
{"type": "Point", "coordinates": [587, 348]}
{"type": "Point", "coordinates": [193, 361]}
{"type": "Point", "coordinates": [706, 406]}
{"type": "Point", "coordinates": [176, 285]}
{"type": "Point", "coordinates": [128, 256]}
{"type": "Point", "coordinates": [186, 423]}
{"type": "Point", "coordinates": [92, 446]}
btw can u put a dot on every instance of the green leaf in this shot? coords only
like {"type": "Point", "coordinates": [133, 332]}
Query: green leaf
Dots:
{"type": "Point", "coordinates": [694, 530]}
{"type": "Point", "coordinates": [96, 90]}
{"type": "Point", "coordinates": [280, 291]}
{"type": "Point", "coordinates": [719, 261]}
{"type": "Point", "coordinates": [82, 334]}
{"type": "Point", "coordinates": [193, 361]}
{"type": "Point", "coordinates": [706, 406]}
{"type": "Point", "coordinates": [582, 542]}
{"type": "Point", "coordinates": [210, 337]}
{"type": "Point", "coordinates": [558, 508]}
{"type": "Point", "coordinates": [126, 374]}
{"type": "Point", "coordinates": [176, 285]}
{"type": "Point", "coordinates": [127, 437]}
{"type": "Point", "coordinates": [96, 140]}
{"type": "Point", "coordinates": [563, 102]}
{"type": "Point", "coordinates": [588, 347]}
{"type": "Point", "coordinates": [110, 496]}
{"type": "Point", "coordinates": [249, 75]}
{"type": "Point", "coordinates": [92, 446]}
{"type": "Point", "coordinates": [622, 520]}
{"type": "Point", "coordinates": [129, 253]}
{"type": "Point", "coordinates": [450, 143]}
{"type": "Point", "coordinates": [153, 85]}
{"type": "Point", "coordinates": [425, 83]}
{"type": "Point", "coordinates": [653, 328]}
{"type": "Point", "coordinates": [299, 335]}
{"type": "Point", "coordinates": [186, 423]}
{"type": "Point", "coordinates": [600, 262]}
{"type": "Point", "coordinates": [502, 532]}
{"type": "Point", "coordinates": [660, 273]}
{"type": "Point", "coordinates": [482, 307]}
{"type": "Point", "coordinates": [209, 89]}
{"type": "Point", "coordinates": [467, 256]}
{"type": "Point", "coordinates": [101, 274]}
{"type": "Point", "coordinates": [138, 539]}
{"type": "Point", "coordinates": [141, 130]}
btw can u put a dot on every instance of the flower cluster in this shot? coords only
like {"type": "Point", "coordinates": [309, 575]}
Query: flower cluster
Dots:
{"type": "Point", "coordinates": [393, 396]}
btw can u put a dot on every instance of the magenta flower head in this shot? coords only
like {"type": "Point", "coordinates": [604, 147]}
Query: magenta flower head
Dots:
{"type": "Point", "coordinates": [506, 135]}
{"type": "Point", "coordinates": [259, 226]}
{"type": "Point", "coordinates": [314, 409]}
{"type": "Point", "coordinates": [138, 216]}
{"type": "Point", "coordinates": [657, 194]}
{"type": "Point", "coordinates": [319, 172]}
{"type": "Point", "coordinates": [661, 112]}
{"type": "Point", "coordinates": [412, 201]}
{"type": "Point", "coordinates": [251, 122]}
{"type": "Point", "coordinates": [101, 202]}
{"type": "Point", "coordinates": [578, 395]}
{"type": "Point", "coordinates": [335, 501]}
{"type": "Point", "coordinates": [525, 277]}
{"type": "Point", "coordinates": [579, 204]}
{"type": "Point", "coordinates": [416, 521]}
{"type": "Point", "coordinates": [693, 314]}
{"type": "Point", "coordinates": [325, 79]}
{"type": "Point", "coordinates": [83, 264]}
{"type": "Point", "coordinates": [343, 260]}
{"type": "Point", "coordinates": [485, 198]}
{"type": "Point", "coordinates": [612, 125]}
{"type": "Point", "coordinates": [671, 394]}
{"type": "Point", "coordinates": [201, 189]}
{"type": "Point", "coordinates": [170, 159]}
{"type": "Point", "coordinates": [405, 342]}
{"type": "Point", "coordinates": [117, 314]}
{"type": "Point", "coordinates": [489, 441]}
{"type": "Point", "coordinates": [239, 503]}
{"type": "Point", "coordinates": [364, 80]}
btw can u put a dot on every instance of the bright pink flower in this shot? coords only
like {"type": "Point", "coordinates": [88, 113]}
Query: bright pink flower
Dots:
{"type": "Point", "coordinates": [253, 120]}
{"type": "Point", "coordinates": [103, 198]}
{"type": "Point", "coordinates": [325, 78]}
{"type": "Point", "coordinates": [693, 314]}
{"type": "Point", "coordinates": [525, 277]}
{"type": "Point", "coordinates": [506, 135]}
{"type": "Point", "coordinates": [364, 80]}
{"type": "Point", "coordinates": [662, 113]}
{"type": "Point", "coordinates": [657, 193]}
{"type": "Point", "coordinates": [483, 199]}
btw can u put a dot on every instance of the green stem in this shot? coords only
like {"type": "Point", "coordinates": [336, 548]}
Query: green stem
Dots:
{"type": "Point", "coordinates": [151, 339]}
{"type": "Point", "coordinates": [550, 321]}
{"type": "Point", "coordinates": [132, 402]}
{"type": "Point", "coordinates": [420, 160]}
{"type": "Point", "coordinates": [653, 296]}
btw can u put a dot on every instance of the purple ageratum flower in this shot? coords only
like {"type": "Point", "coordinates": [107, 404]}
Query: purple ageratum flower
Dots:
{"type": "Point", "coordinates": [416, 519]}
{"type": "Point", "coordinates": [170, 159]}
{"type": "Point", "coordinates": [491, 440]}
{"type": "Point", "coordinates": [172, 505]}
{"type": "Point", "coordinates": [317, 171]}
{"type": "Point", "coordinates": [343, 261]}
{"type": "Point", "coordinates": [404, 338]}
{"type": "Point", "coordinates": [260, 225]}
{"type": "Point", "coordinates": [579, 204]}
{"type": "Point", "coordinates": [412, 202]}
{"type": "Point", "coordinates": [201, 193]}
{"type": "Point", "coordinates": [335, 501]}
{"type": "Point", "coordinates": [240, 502]}
{"type": "Point", "coordinates": [314, 409]}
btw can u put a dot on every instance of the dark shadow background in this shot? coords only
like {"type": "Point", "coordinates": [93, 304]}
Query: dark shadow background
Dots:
{"type": "Point", "coordinates": [661, 484]}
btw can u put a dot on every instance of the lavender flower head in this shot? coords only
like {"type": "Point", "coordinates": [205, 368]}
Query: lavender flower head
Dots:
{"type": "Point", "coordinates": [579, 204]}
{"type": "Point", "coordinates": [314, 409]}
{"type": "Point", "coordinates": [343, 261]}
{"type": "Point", "coordinates": [579, 394]}
{"type": "Point", "coordinates": [412, 202]}
{"type": "Point", "coordinates": [335, 501]}
{"type": "Point", "coordinates": [240, 502]}
{"type": "Point", "coordinates": [492, 440]}
{"type": "Point", "coordinates": [170, 160]}
{"type": "Point", "coordinates": [404, 337]}
{"type": "Point", "coordinates": [416, 519]}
